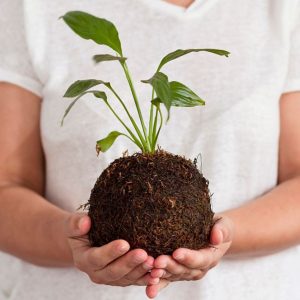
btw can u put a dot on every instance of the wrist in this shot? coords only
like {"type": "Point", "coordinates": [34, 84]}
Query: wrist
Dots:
{"type": "Point", "coordinates": [60, 237]}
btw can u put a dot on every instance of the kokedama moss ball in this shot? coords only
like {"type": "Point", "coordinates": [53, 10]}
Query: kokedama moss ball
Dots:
{"type": "Point", "coordinates": [158, 202]}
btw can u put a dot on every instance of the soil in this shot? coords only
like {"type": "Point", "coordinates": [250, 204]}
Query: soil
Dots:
{"type": "Point", "coordinates": [157, 202]}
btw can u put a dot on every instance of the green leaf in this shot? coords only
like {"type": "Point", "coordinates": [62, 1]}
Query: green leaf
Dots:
{"type": "Point", "coordinates": [183, 96]}
{"type": "Point", "coordinates": [98, 94]}
{"type": "Point", "coordinates": [107, 57]}
{"type": "Point", "coordinates": [89, 27]}
{"type": "Point", "coordinates": [161, 85]}
{"type": "Point", "coordinates": [178, 53]}
{"type": "Point", "coordinates": [104, 144]}
{"type": "Point", "coordinates": [81, 86]}
{"type": "Point", "coordinates": [70, 107]}
{"type": "Point", "coordinates": [156, 102]}
{"type": "Point", "coordinates": [101, 95]}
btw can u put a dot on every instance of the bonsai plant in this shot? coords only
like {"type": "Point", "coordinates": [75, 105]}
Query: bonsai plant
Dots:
{"type": "Point", "coordinates": [153, 199]}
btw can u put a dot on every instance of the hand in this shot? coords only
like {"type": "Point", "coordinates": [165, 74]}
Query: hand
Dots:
{"type": "Point", "coordinates": [186, 264]}
{"type": "Point", "coordinates": [111, 264]}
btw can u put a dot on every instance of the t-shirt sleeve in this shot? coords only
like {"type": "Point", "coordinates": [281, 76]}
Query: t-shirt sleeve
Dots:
{"type": "Point", "coordinates": [15, 62]}
{"type": "Point", "coordinates": [293, 75]}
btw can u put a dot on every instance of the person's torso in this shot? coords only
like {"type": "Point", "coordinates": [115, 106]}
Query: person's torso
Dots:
{"type": "Point", "coordinates": [236, 133]}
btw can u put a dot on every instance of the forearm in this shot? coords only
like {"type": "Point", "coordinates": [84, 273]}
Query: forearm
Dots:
{"type": "Point", "coordinates": [269, 223]}
{"type": "Point", "coordinates": [32, 228]}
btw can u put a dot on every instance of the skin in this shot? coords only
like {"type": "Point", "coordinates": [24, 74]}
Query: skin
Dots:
{"type": "Point", "coordinates": [46, 235]}
{"type": "Point", "coordinates": [254, 228]}
{"type": "Point", "coordinates": [182, 3]}
{"type": "Point", "coordinates": [40, 232]}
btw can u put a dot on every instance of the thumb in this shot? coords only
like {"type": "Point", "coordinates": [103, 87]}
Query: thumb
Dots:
{"type": "Point", "coordinates": [78, 224]}
{"type": "Point", "coordinates": [222, 231]}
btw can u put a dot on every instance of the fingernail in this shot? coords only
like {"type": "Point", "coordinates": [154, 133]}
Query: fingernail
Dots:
{"type": "Point", "coordinates": [139, 259]}
{"type": "Point", "coordinates": [123, 248]}
{"type": "Point", "coordinates": [81, 221]}
{"type": "Point", "coordinates": [221, 235]}
{"type": "Point", "coordinates": [179, 256]}
{"type": "Point", "coordinates": [146, 267]}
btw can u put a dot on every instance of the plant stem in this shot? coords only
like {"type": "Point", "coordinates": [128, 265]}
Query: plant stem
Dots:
{"type": "Point", "coordinates": [127, 74]}
{"type": "Point", "coordinates": [124, 134]}
{"type": "Point", "coordinates": [129, 115]}
{"type": "Point", "coordinates": [142, 146]}
{"type": "Point", "coordinates": [160, 126]}
{"type": "Point", "coordinates": [151, 119]}
{"type": "Point", "coordinates": [154, 130]}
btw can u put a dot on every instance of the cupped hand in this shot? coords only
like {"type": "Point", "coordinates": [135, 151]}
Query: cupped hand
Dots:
{"type": "Point", "coordinates": [111, 264]}
{"type": "Point", "coordinates": [186, 264]}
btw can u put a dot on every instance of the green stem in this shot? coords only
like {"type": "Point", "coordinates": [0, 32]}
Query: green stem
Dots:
{"type": "Point", "coordinates": [124, 134]}
{"type": "Point", "coordinates": [154, 130]}
{"type": "Point", "coordinates": [151, 120]}
{"type": "Point", "coordinates": [142, 146]}
{"type": "Point", "coordinates": [129, 115]}
{"type": "Point", "coordinates": [160, 126]}
{"type": "Point", "coordinates": [127, 74]}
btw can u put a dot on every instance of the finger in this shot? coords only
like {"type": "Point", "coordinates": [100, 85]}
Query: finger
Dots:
{"type": "Point", "coordinates": [100, 257]}
{"type": "Point", "coordinates": [148, 264]}
{"type": "Point", "coordinates": [146, 280]}
{"type": "Point", "coordinates": [197, 259]}
{"type": "Point", "coordinates": [77, 224]}
{"type": "Point", "coordinates": [222, 231]}
{"type": "Point", "coordinates": [216, 236]}
{"type": "Point", "coordinates": [143, 281]}
{"type": "Point", "coordinates": [170, 265]}
{"type": "Point", "coordinates": [153, 290]}
{"type": "Point", "coordinates": [140, 270]}
{"type": "Point", "coordinates": [76, 228]}
{"type": "Point", "coordinates": [123, 265]}
{"type": "Point", "coordinates": [160, 273]}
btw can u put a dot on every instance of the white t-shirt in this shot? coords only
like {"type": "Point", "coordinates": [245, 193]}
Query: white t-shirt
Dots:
{"type": "Point", "coordinates": [236, 132]}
